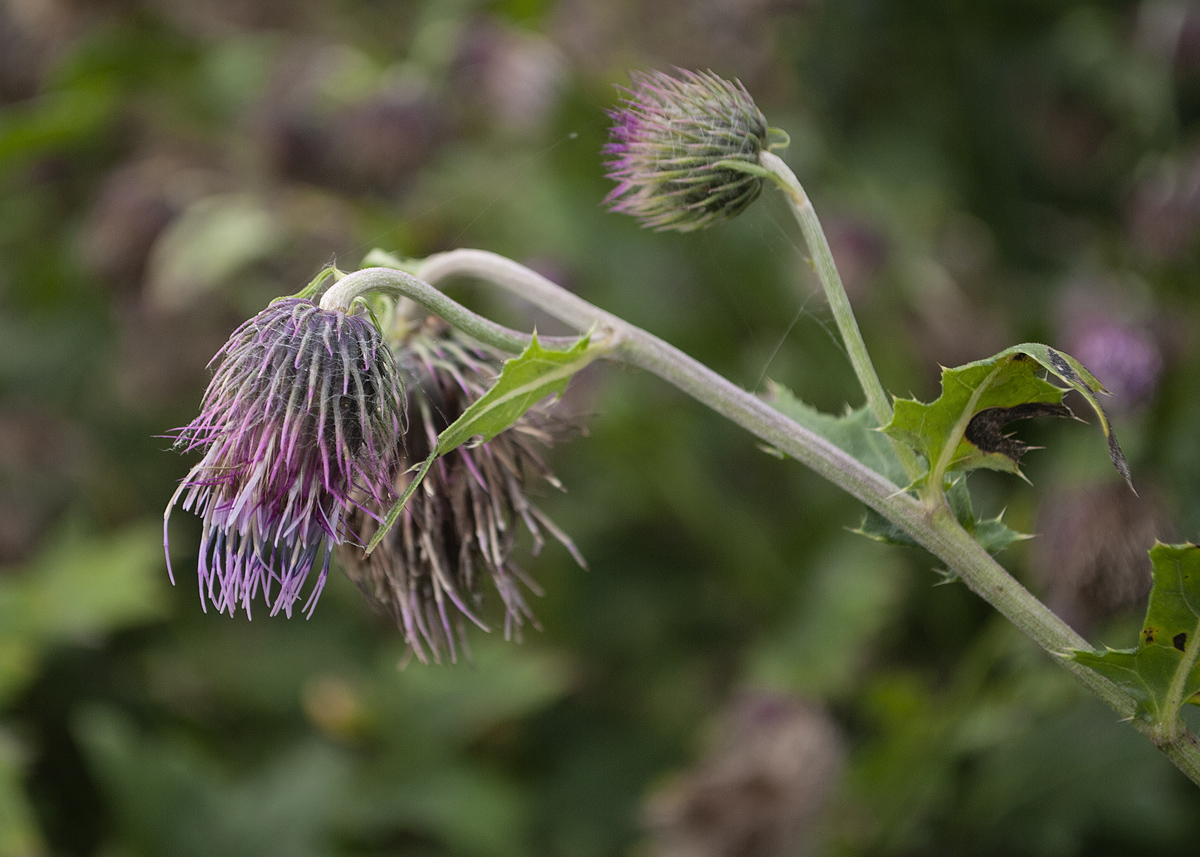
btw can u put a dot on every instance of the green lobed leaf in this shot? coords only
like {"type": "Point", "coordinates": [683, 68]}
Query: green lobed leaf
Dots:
{"type": "Point", "coordinates": [1071, 371]}
{"type": "Point", "coordinates": [964, 428]}
{"type": "Point", "coordinates": [857, 433]}
{"type": "Point", "coordinates": [1162, 672]}
{"type": "Point", "coordinates": [995, 535]}
{"type": "Point", "coordinates": [992, 533]}
{"type": "Point", "coordinates": [525, 380]}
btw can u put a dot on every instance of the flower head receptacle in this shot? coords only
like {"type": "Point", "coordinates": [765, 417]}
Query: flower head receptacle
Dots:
{"type": "Point", "coordinates": [300, 422]}
{"type": "Point", "coordinates": [459, 530]}
{"type": "Point", "coordinates": [675, 144]}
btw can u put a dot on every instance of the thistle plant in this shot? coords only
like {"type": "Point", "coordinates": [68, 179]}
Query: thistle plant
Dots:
{"type": "Point", "coordinates": [299, 426]}
{"type": "Point", "coordinates": [278, 478]}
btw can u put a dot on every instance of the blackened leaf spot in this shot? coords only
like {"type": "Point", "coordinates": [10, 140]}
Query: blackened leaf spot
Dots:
{"type": "Point", "coordinates": [985, 428]}
{"type": "Point", "coordinates": [1065, 369]}
{"type": "Point", "coordinates": [1118, 459]}
{"type": "Point", "coordinates": [1179, 641]}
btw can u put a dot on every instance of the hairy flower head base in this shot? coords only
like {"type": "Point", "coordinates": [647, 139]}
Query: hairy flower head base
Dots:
{"type": "Point", "coordinates": [459, 529]}
{"type": "Point", "coordinates": [302, 416]}
{"type": "Point", "coordinates": [669, 139]}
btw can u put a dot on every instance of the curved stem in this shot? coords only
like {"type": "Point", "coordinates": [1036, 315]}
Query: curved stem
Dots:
{"type": "Point", "coordinates": [831, 281]}
{"type": "Point", "coordinates": [839, 302]}
{"type": "Point", "coordinates": [935, 529]}
{"type": "Point", "coordinates": [400, 284]}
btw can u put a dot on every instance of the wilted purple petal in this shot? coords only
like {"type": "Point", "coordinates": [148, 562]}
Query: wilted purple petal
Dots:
{"type": "Point", "coordinates": [303, 414]}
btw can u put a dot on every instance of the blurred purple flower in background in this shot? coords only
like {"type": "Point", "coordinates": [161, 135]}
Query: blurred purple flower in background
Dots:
{"type": "Point", "coordinates": [1106, 322]}
{"type": "Point", "coordinates": [1125, 358]}
{"type": "Point", "coordinates": [303, 411]}
{"type": "Point", "coordinates": [132, 207]}
{"type": "Point", "coordinates": [1091, 557]}
{"type": "Point", "coordinates": [510, 76]}
{"type": "Point", "coordinates": [763, 791]}
{"type": "Point", "coordinates": [1162, 215]}
{"type": "Point", "coordinates": [331, 118]}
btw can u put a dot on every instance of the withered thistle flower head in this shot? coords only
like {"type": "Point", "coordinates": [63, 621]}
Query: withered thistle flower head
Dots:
{"type": "Point", "coordinates": [762, 791]}
{"type": "Point", "coordinates": [671, 141]}
{"type": "Point", "coordinates": [299, 423]}
{"type": "Point", "coordinates": [455, 539]}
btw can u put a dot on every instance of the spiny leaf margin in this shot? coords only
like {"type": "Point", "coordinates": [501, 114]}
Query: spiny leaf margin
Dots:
{"type": "Point", "coordinates": [1163, 672]}
{"type": "Point", "coordinates": [1008, 381]}
{"type": "Point", "coordinates": [857, 433]}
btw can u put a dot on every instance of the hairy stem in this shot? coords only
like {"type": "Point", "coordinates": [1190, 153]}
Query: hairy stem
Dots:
{"type": "Point", "coordinates": [934, 528]}
{"type": "Point", "coordinates": [831, 281]}
{"type": "Point", "coordinates": [839, 303]}
{"type": "Point", "coordinates": [403, 285]}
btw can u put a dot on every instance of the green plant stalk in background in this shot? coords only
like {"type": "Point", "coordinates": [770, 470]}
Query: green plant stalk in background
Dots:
{"type": "Point", "coordinates": [931, 525]}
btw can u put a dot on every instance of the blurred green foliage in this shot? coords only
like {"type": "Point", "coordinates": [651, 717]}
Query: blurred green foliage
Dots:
{"type": "Point", "coordinates": [988, 173]}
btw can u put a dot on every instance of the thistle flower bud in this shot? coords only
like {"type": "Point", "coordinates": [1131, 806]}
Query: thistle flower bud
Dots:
{"type": "Point", "coordinates": [459, 530]}
{"type": "Point", "coordinates": [299, 423]}
{"type": "Point", "coordinates": [672, 142]}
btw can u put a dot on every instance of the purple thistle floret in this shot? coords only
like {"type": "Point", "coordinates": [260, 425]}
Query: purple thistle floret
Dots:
{"type": "Point", "coordinates": [302, 416]}
{"type": "Point", "coordinates": [671, 143]}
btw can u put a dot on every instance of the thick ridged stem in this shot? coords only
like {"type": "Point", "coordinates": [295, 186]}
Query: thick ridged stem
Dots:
{"type": "Point", "coordinates": [935, 529]}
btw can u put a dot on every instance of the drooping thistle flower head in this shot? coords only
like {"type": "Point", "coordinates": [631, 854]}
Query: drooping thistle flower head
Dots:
{"type": "Point", "coordinates": [672, 142]}
{"type": "Point", "coordinates": [456, 536]}
{"type": "Point", "coordinates": [299, 423]}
